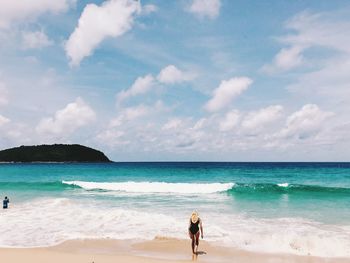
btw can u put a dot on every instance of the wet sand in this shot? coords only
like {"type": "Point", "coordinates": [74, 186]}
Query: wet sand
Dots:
{"type": "Point", "coordinates": [157, 250]}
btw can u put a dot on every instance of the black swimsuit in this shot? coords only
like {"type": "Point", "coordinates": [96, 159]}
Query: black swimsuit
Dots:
{"type": "Point", "coordinates": [194, 228]}
{"type": "Point", "coordinates": [5, 203]}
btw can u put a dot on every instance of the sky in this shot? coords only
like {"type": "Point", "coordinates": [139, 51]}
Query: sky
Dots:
{"type": "Point", "coordinates": [180, 80]}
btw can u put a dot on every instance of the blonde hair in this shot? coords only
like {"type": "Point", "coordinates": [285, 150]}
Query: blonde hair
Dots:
{"type": "Point", "coordinates": [194, 217]}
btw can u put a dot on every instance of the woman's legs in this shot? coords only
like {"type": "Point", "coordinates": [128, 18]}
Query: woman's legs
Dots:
{"type": "Point", "coordinates": [195, 241]}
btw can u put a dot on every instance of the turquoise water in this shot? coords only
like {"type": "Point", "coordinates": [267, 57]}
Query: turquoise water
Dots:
{"type": "Point", "coordinates": [301, 203]}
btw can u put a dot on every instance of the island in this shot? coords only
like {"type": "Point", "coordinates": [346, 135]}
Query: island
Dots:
{"type": "Point", "coordinates": [53, 153]}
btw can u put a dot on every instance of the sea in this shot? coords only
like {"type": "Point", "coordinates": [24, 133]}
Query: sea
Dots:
{"type": "Point", "coordinates": [294, 208]}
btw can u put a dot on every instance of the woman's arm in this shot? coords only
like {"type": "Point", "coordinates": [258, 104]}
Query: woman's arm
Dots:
{"type": "Point", "coordinates": [200, 224]}
{"type": "Point", "coordinates": [189, 226]}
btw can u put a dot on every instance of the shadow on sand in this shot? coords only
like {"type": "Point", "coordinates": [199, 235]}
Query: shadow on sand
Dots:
{"type": "Point", "coordinates": [195, 256]}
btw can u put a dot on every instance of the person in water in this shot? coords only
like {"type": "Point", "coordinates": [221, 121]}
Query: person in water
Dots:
{"type": "Point", "coordinates": [194, 229]}
{"type": "Point", "coordinates": [5, 203]}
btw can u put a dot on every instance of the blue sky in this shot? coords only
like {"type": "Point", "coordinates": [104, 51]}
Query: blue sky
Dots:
{"type": "Point", "coordinates": [178, 80]}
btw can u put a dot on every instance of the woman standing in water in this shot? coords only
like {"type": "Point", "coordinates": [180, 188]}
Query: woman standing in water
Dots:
{"type": "Point", "coordinates": [193, 231]}
{"type": "Point", "coordinates": [5, 203]}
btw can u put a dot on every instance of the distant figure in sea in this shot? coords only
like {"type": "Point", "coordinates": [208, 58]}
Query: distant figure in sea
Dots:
{"type": "Point", "coordinates": [193, 231]}
{"type": "Point", "coordinates": [5, 203]}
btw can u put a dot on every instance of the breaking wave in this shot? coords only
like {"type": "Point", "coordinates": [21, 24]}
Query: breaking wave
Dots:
{"type": "Point", "coordinates": [154, 187]}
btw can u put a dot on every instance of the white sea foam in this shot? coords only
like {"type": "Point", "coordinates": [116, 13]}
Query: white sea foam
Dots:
{"type": "Point", "coordinates": [155, 187]}
{"type": "Point", "coordinates": [51, 221]}
{"type": "Point", "coordinates": [283, 185]}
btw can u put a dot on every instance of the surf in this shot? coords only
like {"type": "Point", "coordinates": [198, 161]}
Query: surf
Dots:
{"type": "Point", "coordinates": [34, 224]}
{"type": "Point", "coordinates": [154, 187]}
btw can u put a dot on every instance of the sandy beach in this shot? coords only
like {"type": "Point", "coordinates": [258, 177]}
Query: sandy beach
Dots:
{"type": "Point", "coordinates": [158, 250]}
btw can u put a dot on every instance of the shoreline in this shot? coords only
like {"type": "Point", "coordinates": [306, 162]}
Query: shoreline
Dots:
{"type": "Point", "coordinates": [160, 249]}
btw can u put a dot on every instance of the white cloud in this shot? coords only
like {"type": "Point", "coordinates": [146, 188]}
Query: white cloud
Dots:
{"type": "Point", "coordinates": [112, 19]}
{"type": "Point", "coordinates": [172, 124]}
{"type": "Point", "coordinates": [205, 8]}
{"type": "Point", "coordinates": [327, 35]}
{"type": "Point", "coordinates": [14, 134]}
{"type": "Point", "coordinates": [129, 114]}
{"type": "Point", "coordinates": [286, 59]}
{"type": "Point", "coordinates": [68, 119]}
{"type": "Point", "coordinates": [136, 130]}
{"type": "Point", "coordinates": [36, 39]}
{"type": "Point", "coordinates": [262, 117]}
{"type": "Point", "coordinates": [168, 75]}
{"type": "Point", "coordinates": [329, 84]}
{"type": "Point", "coordinates": [326, 30]}
{"type": "Point", "coordinates": [112, 138]}
{"type": "Point", "coordinates": [171, 75]}
{"type": "Point", "coordinates": [226, 92]}
{"type": "Point", "coordinates": [309, 120]}
{"type": "Point", "coordinates": [323, 42]}
{"type": "Point", "coordinates": [230, 121]}
{"type": "Point", "coordinates": [130, 125]}
{"type": "Point", "coordinates": [323, 30]}
{"type": "Point", "coordinates": [179, 134]}
{"type": "Point", "coordinates": [200, 123]}
{"type": "Point", "coordinates": [3, 120]}
{"type": "Point", "coordinates": [140, 86]}
{"type": "Point", "coordinates": [17, 11]}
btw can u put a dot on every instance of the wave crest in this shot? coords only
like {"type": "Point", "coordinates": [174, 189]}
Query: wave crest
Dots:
{"type": "Point", "coordinates": [154, 187]}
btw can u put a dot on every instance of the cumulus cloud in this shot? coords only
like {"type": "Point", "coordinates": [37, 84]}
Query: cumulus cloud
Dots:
{"type": "Point", "coordinates": [36, 39]}
{"type": "Point", "coordinates": [112, 19]}
{"type": "Point", "coordinates": [230, 121]}
{"type": "Point", "coordinates": [140, 86]}
{"type": "Point", "coordinates": [205, 8]}
{"type": "Point", "coordinates": [17, 11]}
{"type": "Point", "coordinates": [306, 122]}
{"type": "Point", "coordinates": [226, 92]}
{"type": "Point", "coordinates": [262, 117]}
{"type": "Point", "coordinates": [171, 75]}
{"type": "Point", "coordinates": [68, 119]}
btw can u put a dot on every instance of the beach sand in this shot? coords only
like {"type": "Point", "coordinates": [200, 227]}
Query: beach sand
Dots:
{"type": "Point", "coordinates": [158, 250]}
